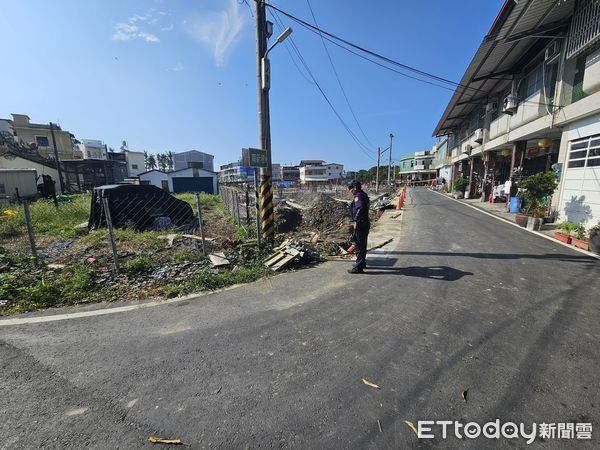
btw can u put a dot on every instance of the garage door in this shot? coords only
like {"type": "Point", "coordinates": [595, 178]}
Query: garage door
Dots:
{"type": "Point", "coordinates": [193, 184]}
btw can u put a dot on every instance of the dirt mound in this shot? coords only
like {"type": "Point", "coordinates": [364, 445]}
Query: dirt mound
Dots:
{"type": "Point", "coordinates": [287, 218]}
{"type": "Point", "coordinates": [326, 214]}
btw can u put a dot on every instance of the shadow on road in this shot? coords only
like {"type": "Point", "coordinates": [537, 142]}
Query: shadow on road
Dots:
{"type": "Point", "coordinates": [442, 273]}
{"type": "Point", "coordinates": [548, 256]}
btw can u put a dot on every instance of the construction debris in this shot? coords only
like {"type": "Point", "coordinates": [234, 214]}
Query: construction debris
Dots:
{"type": "Point", "coordinates": [218, 259]}
{"type": "Point", "coordinates": [287, 217]}
{"type": "Point", "coordinates": [368, 383]}
{"type": "Point", "coordinates": [380, 245]}
{"type": "Point", "coordinates": [326, 213]}
{"type": "Point", "coordinates": [288, 253]}
{"type": "Point", "coordinates": [157, 440]}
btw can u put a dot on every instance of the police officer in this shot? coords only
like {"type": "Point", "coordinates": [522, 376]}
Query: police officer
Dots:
{"type": "Point", "coordinates": [360, 216]}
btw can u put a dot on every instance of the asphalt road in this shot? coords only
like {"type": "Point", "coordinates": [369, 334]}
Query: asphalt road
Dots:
{"type": "Point", "coordinates": [464, 302]}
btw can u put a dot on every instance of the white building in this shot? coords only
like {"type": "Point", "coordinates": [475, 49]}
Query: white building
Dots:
{"type": "Point", "coordinates": [529, 102]}
{"type": "Point", "coordinates": [191, 179]}
{"type": "Point", "coordinates": [156, 178]}
{"type": "Point", "coordinates": [92, 149]}
{"type": "Point", "coordinates": [193, 158]}
{"type": "Point", "coordinates": [335, 171]}
{"type": "Point", "coordinates": [313, 174]}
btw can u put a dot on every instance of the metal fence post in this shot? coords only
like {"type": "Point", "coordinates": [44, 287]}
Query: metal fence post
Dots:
{"type": "Point", "coordinates": [111, 234]}
{"type": "Point", "coordinates": [247, 206]}
{"type": "Point", "coordinates": [200, 222]}
{"type": "Point", "coordinates": [30, 231]}
{"type": "Point", "coordinates": [258, 235]}
{"type": "Point", "coordinates": [236, 202]}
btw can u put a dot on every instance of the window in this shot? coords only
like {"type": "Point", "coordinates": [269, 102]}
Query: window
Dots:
{"type": "Point", "coordinates": [2, 189]}
{"type": "Point", "coordinates": [42, 141]}
{"type": "Point", "coordinates": [134, 166]}
{"type": "Point", "coordinates": [585, 152]}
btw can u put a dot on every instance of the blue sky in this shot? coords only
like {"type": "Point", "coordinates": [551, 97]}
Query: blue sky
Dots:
{"type": "Point", "coordinates": [181, 74]}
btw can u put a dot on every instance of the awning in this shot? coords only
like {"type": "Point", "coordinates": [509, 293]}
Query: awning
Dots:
{"type": "Point", "coordinates": [511, 42]}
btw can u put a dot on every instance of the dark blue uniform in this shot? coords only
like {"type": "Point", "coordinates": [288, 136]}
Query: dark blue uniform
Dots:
{"type": "Point", "coordinates": [360, 215]}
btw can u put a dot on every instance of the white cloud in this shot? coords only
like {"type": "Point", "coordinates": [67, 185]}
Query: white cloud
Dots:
{"type": "Point", "coordinates": [177, 67]}
{"type": "Point", "coordinates": [217, 31]}
{"type": "Point", "coordinates": [168, 28]}
{"type": "Point", "coordinates": [131, 30]}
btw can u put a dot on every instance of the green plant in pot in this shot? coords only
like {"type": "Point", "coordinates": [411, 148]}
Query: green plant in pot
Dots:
{"type": "Point", "coordinates": [578, 237]}
{"type": "Point", "coordinates": [594, 238]}
{"type": "Point", "coordinates": [565, 231]}
{"type": "Point", "coordinates": [460, 184]}
{"type": "Point", "coordinates": [533, 190]}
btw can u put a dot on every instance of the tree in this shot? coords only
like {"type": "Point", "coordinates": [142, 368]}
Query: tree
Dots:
{"type": "Point", "coordinates": [162, 161]}
{"type": "Point", "coordinates": [170, 160]}
{"type": "Point", "coordinates": [146, 160]}
{"type": "Point", "coordinates": [151, 164]}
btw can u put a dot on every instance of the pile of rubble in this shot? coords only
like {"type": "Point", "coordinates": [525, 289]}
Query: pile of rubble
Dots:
{"type": "Point", "coordinates": [326, 213]}
{"type": "Point", "coordinates": [287, 217]}
{"type": "Point", "coordinates": [290, 252]}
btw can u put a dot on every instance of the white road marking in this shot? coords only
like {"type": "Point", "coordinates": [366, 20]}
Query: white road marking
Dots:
{"type": "Point", "coordinates": [102, 312]}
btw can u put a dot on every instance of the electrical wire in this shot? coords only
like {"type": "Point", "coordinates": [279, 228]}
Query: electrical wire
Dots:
{"type": "Point", "coordinates": [366, 150]}
{"type": "Point", "coordinates": [332, 38]}
{"type": "Point", "coordinates": [338, 77]}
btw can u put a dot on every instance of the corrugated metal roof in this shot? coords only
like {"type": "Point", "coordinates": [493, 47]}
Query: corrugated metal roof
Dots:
{"type": "Point", "coordinates": [496, 57]}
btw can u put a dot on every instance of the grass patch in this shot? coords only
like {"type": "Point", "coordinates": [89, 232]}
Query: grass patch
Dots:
{"type": "Point", "coordinates": [209, 281]}
{"type": "Point", "coordinates": [137, 265]}
{"type": "Point", "coordinates": [47, 219]}
{"type": "Point", "coordinates": [182, 256]}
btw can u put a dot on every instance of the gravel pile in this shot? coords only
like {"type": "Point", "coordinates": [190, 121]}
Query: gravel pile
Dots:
{"type": "Point", "coordinates": [326, 214]}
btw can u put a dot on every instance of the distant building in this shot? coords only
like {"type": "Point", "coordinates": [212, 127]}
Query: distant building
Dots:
{"type": "Point", "coordinates": [311, 162]}
{"type": "Point", "coordinates": [235, 172]}
{"type": "Point", "coordinates": [289, 173]}
{"type": "Point", "coordinates": [190, 179]}
{"type": "Point", "coordinates": [36, 135]}
{"type": "Point", "coordinates": [193, 158]}
{"type": "Point", "coordinates": [92, 149]}
{"type": "Point", "coordinates": [85, 174]}
{"type": "Point", "coordinates": [417, 166]}
{"type": "Point", "coordinates": [335, 171]}
{"type": "Point", "coordinates": [135, 161]}
{"type": "Point", "coordinates": [313, 174]}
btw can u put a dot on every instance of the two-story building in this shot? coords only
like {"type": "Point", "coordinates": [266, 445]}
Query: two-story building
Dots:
{"type": "Point", "coordinates": [195, 159]}
{"type": "Point", "coordinates": [92, 149]}
{"type": "Point", "coordinates": [417, 167]}
{"type": "Point", "coordinates": [529, 102]}
{"type": "Point", "coordinates": [40, 137]}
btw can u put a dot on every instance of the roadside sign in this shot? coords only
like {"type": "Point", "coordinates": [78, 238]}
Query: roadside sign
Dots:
{"type": "Point", "coordinates": [254, 157]}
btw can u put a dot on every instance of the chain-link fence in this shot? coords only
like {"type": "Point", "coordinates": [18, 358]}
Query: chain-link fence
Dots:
{"type": "Point", "coordinates": [241, 203]}
{"type": "Point", "coordinates": [105, 229]}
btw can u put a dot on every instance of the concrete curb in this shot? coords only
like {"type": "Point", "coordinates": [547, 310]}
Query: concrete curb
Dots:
{"type": "Point", "coordinates": [593, 255]}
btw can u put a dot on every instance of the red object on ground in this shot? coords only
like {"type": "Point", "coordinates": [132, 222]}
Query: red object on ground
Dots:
{"type": "Point", "coordinates": [351, 249]}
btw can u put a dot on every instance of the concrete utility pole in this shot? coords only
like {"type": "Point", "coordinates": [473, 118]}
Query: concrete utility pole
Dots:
{"type": "Point", "coordinates": [390, 160]}
{"type": "Point", "coordinates": [58, 168]}
{"type": "Point", "coordinates": [377, 177]}
{"type": "Point", "coordinates": [263, 32]}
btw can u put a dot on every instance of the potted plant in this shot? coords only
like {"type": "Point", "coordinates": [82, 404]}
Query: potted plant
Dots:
{"type": "Point", "coordinates": [533, 191]}
{"type": "Point", "coordinates": [578, 237]}
{"type": "Point", "coordinates": [564, 235]}
{"type": "Point", "coordinates": [459, 186]}
{"type": "Point", "coordinates": [594, 236]}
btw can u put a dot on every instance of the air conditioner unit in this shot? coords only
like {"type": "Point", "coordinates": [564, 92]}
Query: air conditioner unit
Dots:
{"type": "Point", "coordinates": [552, 53]}
{"type": "Point", "coordinates": [466, 149]}
{"type": "Point", "coordinates": [491, 107]}
{"type": "Point", "coordinates": [509, 106]}
{"type": "Point", "coordinates": [478, 135]}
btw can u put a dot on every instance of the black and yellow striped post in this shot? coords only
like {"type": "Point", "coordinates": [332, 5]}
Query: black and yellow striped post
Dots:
{"type": "Point", "coordinates": [267, 218]}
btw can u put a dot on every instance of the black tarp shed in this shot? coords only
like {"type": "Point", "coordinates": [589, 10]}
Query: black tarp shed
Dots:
{"type": "Point", "coordinates": [138, 206]}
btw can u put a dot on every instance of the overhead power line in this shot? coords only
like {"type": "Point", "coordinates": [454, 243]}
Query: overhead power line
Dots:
{"type": "Point", "coordinates": [366, 150]}
{"type": "Point", "coordinates": [339, 41]}
{"type": "Point", "coordinates": [338, 77]}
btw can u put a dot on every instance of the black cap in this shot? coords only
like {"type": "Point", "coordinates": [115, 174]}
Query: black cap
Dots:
{"type": "Point", "coordinates": [354, 183]}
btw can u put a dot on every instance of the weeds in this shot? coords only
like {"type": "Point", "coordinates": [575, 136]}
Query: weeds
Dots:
{"type": "Point", "coordinates": [137, 265]}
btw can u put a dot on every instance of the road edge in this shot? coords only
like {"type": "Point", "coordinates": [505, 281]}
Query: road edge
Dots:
{"type": "Point", "coordinates": [593, 255]}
